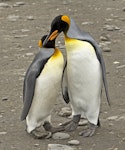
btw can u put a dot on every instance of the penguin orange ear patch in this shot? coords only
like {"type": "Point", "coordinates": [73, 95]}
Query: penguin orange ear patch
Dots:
{"type": "Point", "coordinates": [65, 19]}
{"type": "Point", "coordinates": [40, 43]}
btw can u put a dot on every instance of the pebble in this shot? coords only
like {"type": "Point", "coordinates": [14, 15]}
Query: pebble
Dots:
{"type": "Point", "coordinates": [18, 4]}
{"type": "Point", "coordinates": [4, 5]}
{"type": "Point", "coordinates": [59, 147]}
{"type": "Point", "coordinates": [65, 112]}
{"type": "Point", "coordinates": [112, 118]}
{"type": "Point", "coordinates": [25, 30]}
{"type": "Point", "coordinates": [120, 67]}
{"type": "Point", "coordinates": [13, 17]}
{"type": "Point", "coordinates": [83, 122]}
{"type": "Point", "coordinates": [4, 98]}
{"type": "Point", "coordinates": [123, 9]}
{"type": "Point", "coordinates": [36, 145]}
{"type": "Point", "coordinates": [116, 62]}
{"type": "Point", "coordinates": [106, 49]}
{"type": "Point", "coordinates": [73, 142]}
{"type": "Point", "coordinates": [29, 54]}
{"type": "Point", "coordinates": [3, 133]}
{"type": "Point", "coordinates": [104, 38]}
{"type": "Point", "coordinates": [60, 136]}
{"type": "Point", "coordinates": [87, 23]}
{"type": "Point", "coordinates": [20, 36]}
{"type": "Point", "coordinates": [30, 18]}
{"type": "Point", "coordinates": [121, 118]}
{"type": "Point", "coordinates": [111, 27]}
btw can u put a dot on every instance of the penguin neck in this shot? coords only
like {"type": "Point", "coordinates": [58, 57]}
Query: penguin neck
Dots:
{"type": "Point", "coordinates": [56, 53]}
{"type": "Point", "coordinates": [74, 31]}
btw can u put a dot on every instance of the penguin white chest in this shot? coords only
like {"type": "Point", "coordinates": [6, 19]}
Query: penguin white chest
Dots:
{"type": "Point", "coordinates": [83, 72]}
{"type": "Point", "coordinates": [46, 91]}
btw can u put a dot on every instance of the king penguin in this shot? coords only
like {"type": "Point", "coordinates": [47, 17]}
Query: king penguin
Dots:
{"type": "Point", "coordinates": [41, 87]}
{"type": "Point", "coordinates": [86, 73]}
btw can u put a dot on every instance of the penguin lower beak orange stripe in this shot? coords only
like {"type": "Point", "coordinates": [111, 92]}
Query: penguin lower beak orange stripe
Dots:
{"type": "Point", "coordinates": [53, 35]}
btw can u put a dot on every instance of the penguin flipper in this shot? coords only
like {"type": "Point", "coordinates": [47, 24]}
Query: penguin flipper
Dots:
{"type": "Point", "coordinates": [102, 63]}
{"type": "Point", "coordinates": [30, 78]}
{"type": "Point", "coordinates": [64, 85]}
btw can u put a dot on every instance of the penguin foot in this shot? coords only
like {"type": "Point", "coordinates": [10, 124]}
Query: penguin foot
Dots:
{"type": "Point", "coordinates": [40, 135]}
{"type": "Point", "coordinates": [73, 123]}
{"type": "Point", "coordinates": [89, 132]}
{"type": "Point", "coordinates": [48, 127]}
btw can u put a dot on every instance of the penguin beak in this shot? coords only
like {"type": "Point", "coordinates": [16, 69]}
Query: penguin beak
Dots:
{"type": "Point", "coordinates": [51, 37]}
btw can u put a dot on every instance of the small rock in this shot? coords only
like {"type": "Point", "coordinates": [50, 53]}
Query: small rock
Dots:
{"type": "Point", "coordinates": [87, 23]}
{"type": "Point", "coordinates": [83, 122]}
{"type": "Point", "coordinates": [13, 17]}
{"type": "Point", "coordinates": [106, 49]}
{"type": "Point", "coordinates": [121, 118]}
{"type": "Point", "coordinates": [29, 54]}
{"type": "Point", "coordinates": [36, 145]}
{"type": "Point", "coordinates": [60, 136]}
{"type": "Point", "coordinates": [112, 118]}
{"type": "Point", "coordinates": [59, 147]}
{"type": "Point", "coordinates": [30, 18]}
{"type": "Point", "coordinates": [4, 5]}
{"type": "Point", "coordinates": [20, 36]}
{"type": "Point", "coordinates": [116, 62]}
{"type": "Point", "coordinates": [123, 8]}
{"type": "Point", "coordinates": [4, 98]}
{"type": "Point", "coordinates": [3, 133]}
{"type": "Point", "coordinates": [25, 30]}
{"type": "Point", "coordinates": [20, 3]}
{"type": "Point", "coordinates": [120, 67]}
{"type": "Point", "coordinates": [104, 38]}
{"type": "Point", "coordinates": [65, 111]}
{"type": "Point", "coordinates": [73, 142]}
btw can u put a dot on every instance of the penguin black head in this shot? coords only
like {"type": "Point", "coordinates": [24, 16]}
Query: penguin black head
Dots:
{"type": "Point", "coordinates": [60, 24]}
{"type": "Point", "coordinates": [49, 44]}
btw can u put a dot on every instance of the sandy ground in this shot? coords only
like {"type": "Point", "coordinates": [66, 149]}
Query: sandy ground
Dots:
{"type": "Point", "coordinates": [20, 29]}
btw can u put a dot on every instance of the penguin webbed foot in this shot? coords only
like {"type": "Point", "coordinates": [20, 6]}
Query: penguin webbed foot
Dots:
{"type": "Point", "coordinates": [73, 124]}
{"type": "Point", "coordinates": [48, 127]}
{"type": "Point", "coordinates": [90, 131]}
{"type": "Point", "coordinates": [40, 135]}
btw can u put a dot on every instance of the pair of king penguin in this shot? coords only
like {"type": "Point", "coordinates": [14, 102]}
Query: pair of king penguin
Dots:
{"type": "Point", "coordinates": [85, 73]}
{"type": "Point", "coordinates": [41, 86]}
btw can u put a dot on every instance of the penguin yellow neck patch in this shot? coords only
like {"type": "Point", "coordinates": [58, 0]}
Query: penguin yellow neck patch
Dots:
{"type": "Point", "coordinates": [65, 19]}
{"type": "Point", "coordinates": [56, 54]}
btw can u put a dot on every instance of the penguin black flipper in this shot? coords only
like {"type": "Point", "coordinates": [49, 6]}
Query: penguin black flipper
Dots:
{"type": "Point", "coordinates": [32, 73]}
{"type": "Point", "coordinates": [75, 32]}
{"type": "Point", "coordinates": [65, 85]}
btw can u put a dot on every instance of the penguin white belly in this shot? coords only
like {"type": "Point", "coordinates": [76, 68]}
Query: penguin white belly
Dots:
{"type": "Point", "coordinates": [84, 79]}
{"type": "Point", "coordinates": [46, 91]}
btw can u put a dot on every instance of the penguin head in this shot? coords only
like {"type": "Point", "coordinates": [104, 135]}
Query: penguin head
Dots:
{"type": "Point", "coordinates": [59, 24]}
{"type": "Point", "coordinates": [49, 44]}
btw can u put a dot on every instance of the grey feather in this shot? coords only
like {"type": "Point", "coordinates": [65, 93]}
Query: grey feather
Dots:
{"type": "Point", "coordinates": [75, 32]}
{"type": "Point", "coordinates": [32, 73]}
